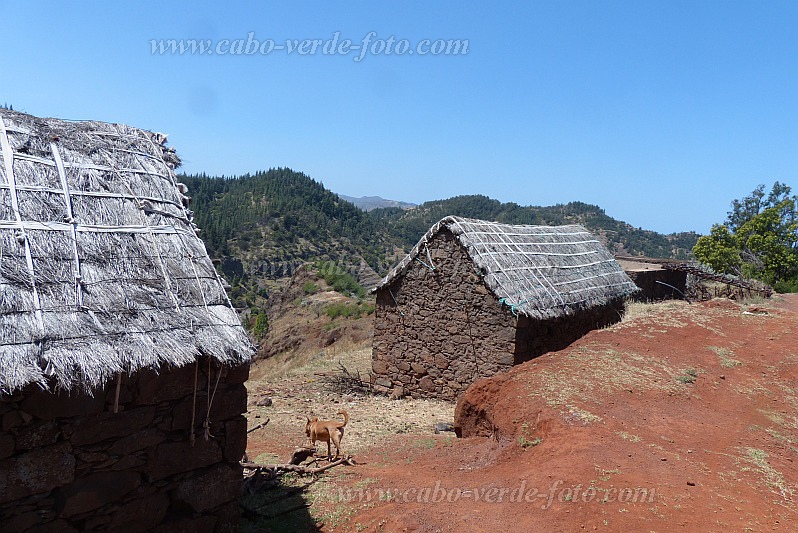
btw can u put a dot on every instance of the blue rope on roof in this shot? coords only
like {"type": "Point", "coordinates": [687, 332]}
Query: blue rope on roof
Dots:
{"type": "Point", "coordinates": [432, 268]}
{"type": "Point", "coordinates": [511, 306]}
{"type": "Point", "coordinates": [395, 302]}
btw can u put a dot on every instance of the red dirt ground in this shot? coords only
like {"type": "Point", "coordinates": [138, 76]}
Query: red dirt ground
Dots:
{"type": "Point", "coordinates": [613, 417]}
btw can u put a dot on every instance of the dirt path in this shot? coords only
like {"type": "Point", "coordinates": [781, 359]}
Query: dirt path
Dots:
{"type": "Point", "coordinates": [680, 418]}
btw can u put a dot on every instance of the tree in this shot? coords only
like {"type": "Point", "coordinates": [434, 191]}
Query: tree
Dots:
{"type": "Point", "coordinates": [260, 326]}
{"type": "Point", "coordinates": [768, 243]}
{"type": "Point", "coordinates": [759, 238]}
{"type": "Point", "coordinates": [719, 250]}
{"type": "Point", "coordinates": [753, 204]}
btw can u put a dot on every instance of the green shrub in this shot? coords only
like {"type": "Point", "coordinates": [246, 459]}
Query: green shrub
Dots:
{"type": "Point", "coordinates": [310, 288]}
{"type": "Point", "coordinates": [688, 377]}
{"type": "Point", "coordinates": [786, 285]}
{"type": "Point", "coordinates": [343, 309]}
{"type": "Point", "coordinates": [260, 326]}
{"type": "Point", "coordinates": [348, 310]}
{"type": "Point", "coordinates": [526, 443]}
{"type": "Point", "coordinates": [340, 280]}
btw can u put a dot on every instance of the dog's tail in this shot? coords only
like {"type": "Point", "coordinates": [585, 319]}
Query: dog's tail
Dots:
{"type": "Point", "coordinates": [346, 417]}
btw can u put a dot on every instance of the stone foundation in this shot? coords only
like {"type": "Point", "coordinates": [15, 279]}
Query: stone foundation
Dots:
{"type": "Point", "coordinates": [69, 463]}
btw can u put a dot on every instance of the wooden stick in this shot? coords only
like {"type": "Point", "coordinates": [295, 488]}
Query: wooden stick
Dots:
{"type": "Point", "coordinates": [116, 396]}
{"type": "Point", "coordinates": [261, 425]}
{"type": "Point", "coordinates": [297, 468]}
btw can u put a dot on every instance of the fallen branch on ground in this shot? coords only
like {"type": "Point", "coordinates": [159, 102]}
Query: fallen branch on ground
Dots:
{"type": "Point", "coordinates": [261, 425]}
{"type": "Point", "coordinates": [345, 382]}
{"type": "Point", "coordinates": [347, 460]}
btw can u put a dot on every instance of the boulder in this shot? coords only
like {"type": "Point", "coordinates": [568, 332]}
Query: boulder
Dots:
{"type": "Point", "coordinates": [172, 458]}
{"type": "Point", "coordinates": [106, 425]}
{"type": "Point", "coordinates": [93, 491]}
{"type": "Point", "coordinates": [218, 485]}
{"type": "Point", "coordinates": [141, 514]}
{"type": "Point", "coordinates": [36, 471]}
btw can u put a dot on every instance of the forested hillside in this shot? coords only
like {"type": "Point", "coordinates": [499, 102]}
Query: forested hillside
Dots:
{"type": "Point", "coordinates": [275, 220]}
{"type": "Point", "coordinates": [620, 236]}
{"type": "Point", "coordinates": [261, 227]}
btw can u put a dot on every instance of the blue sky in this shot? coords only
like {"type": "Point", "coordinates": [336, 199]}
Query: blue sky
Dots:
{"type": "Point", "coordinates": [661, 112]}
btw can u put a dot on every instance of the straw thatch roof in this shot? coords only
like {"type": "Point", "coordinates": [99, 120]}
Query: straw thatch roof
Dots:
{"type": "Point", "coordinates": [101, 270]}
{"type": "Point", "coordinates": [538, 271]}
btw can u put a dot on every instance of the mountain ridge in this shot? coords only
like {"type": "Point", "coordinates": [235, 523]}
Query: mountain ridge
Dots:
{"type": "Point", "coordinates": [259, 228]}
{"type": "Point", "coordinates": [369, 203]}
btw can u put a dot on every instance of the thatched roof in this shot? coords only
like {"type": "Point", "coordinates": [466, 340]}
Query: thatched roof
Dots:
{"type": "Point", "coordinates": [101, 269]}
{"type": "Point", "coordinates": [538, 271]}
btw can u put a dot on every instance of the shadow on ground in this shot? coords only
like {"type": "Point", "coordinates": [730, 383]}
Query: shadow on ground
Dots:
{"type": "Point", "coordinates": [276, 505]}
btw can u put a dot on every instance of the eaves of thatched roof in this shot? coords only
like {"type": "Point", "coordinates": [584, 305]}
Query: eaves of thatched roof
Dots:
{"type": "Point", "coordinates": [101, 269]}
{"type": "Point", "coordinates": [538, 271]}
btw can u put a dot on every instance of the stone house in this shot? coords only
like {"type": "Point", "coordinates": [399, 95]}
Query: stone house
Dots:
{"type": "Point", "coordinates": [122, 362]}
{"type": "Point", "coordinates": [474, 298]}
{"type": "Point", "coordinates": [658, 279]}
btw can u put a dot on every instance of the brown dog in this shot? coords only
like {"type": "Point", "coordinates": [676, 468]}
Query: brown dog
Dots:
{"type": "Point", "coordinates": [327, 431]}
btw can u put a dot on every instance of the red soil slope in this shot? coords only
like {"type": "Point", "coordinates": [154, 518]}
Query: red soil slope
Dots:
{"type": "Point", "coordinates": [610, 434]}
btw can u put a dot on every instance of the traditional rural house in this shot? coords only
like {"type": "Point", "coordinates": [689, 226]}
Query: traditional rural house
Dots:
{"type": "Point", "coordinates": [474, 298]}
{"type": "Point", "coordinates": [122, 362]}
{"type": "Point", "coordinates": [658, 279]}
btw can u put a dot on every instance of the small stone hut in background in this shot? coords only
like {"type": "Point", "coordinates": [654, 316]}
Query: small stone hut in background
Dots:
{"type": "Point", "coordinates": [658, 279]}
{"type": "Point", "coordinates": [474, 298]}
{"type": "Point", "coordinates": [122, 362]}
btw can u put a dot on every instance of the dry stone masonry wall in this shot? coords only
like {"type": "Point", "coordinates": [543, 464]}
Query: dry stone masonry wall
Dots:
{"type": "Point", "coordinates": [69, 463]}
{"type": "Point", "coordinates": [444, 330]}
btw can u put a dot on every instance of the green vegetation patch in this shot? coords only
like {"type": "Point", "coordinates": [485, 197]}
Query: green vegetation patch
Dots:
{"type": "Point", "coordinates": [259, 325]}
{"type": "Point", "coordinates": [348, 310]}
{"type": "Point", "coordinates": [688, 377]}
{"type": "Point", "coordinates": [759, 239]}
{"type": "Point", "coordinates": [340, 280]}
{"type": "Point", "coordinates": [310, 288]}
{"type": "Point", "coordinates": [527, 443]}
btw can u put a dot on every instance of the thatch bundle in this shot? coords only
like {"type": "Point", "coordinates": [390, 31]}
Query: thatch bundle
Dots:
{"type": "Point", "coordinates": [538, 271]}
{"type": "Point", "coordinates": [101, 269]}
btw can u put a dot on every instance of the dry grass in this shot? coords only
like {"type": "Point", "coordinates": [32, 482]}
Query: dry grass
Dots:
{"type": "Point", "coordinates": [580, 375]}
{"type": "Point", "coordinates": [292, 365]}
{"type": "Point", "coordinates": [296, 387]}
{"type": "Point", "coordinates": [638, 310]}
{"type": "Point", "coordinates": [757, 462]}
{"type": "Point", "coordinates": [658, 317]}
{"type": "Point", "coordinates": [724, 355]}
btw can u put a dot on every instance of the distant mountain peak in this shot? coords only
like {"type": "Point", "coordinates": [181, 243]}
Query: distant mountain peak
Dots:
{"type": "Point", "coordinates": [367, 203]}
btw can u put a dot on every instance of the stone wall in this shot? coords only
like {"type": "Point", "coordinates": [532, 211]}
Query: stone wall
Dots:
{"type": "Point", "coordinates": [445, 330]}
{"type": "Point", "coordinates": [651, 290]}
{"type": "Point", "coordinates": [69, 463]}
{"type": "Point", "coordinates": [437, 331]}
{"type": "Point", "coordinates": [536, 337]}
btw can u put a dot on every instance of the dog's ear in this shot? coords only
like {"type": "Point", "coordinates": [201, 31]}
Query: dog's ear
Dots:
{"type": "Point", "coordinates": [308, 419]}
